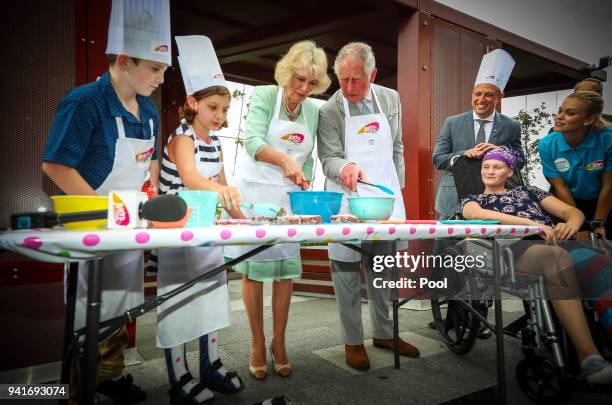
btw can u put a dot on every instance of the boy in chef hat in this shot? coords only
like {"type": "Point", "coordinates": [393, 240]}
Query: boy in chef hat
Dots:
{"type": "Point", "coordinates": [192, 160]}
{"type": "Point", "coordinates": [103, 138]}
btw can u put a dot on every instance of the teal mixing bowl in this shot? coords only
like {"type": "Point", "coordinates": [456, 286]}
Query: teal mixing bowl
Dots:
{"type": "Point", "coordinates": [203, 206]}
{"type": "Point", "coordinates": [372, 208]}
{"type": "Point", "coordinates": [323, 203]}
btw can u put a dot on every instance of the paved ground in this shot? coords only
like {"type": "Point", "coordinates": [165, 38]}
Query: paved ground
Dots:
{"type": "Point", "coordinates": [316, 351]}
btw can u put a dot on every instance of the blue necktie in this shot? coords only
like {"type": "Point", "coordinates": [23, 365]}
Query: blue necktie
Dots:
{"type": "Point", "coordinates": [365, 108]}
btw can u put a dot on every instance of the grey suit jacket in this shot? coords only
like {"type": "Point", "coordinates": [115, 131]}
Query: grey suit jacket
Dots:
{"type": "Point", "coordinates": [330, 133]}
{"type": "Point", "coordinates": [457, 136]}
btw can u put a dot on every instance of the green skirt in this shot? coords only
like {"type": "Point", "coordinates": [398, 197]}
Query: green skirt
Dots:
{"type": "Point", "coordinates": [275, 270]}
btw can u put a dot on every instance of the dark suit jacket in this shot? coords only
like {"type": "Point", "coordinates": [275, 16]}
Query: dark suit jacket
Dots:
{"type": "Point", "coordinates": [457, 136]}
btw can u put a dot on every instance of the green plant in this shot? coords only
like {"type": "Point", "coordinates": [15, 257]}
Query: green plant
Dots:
{"type": "Point", "coordinates": [532, 124]}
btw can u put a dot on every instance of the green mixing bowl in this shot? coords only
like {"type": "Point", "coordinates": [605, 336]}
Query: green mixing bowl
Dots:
{"type": "Point", "coordinates": [372, 208]}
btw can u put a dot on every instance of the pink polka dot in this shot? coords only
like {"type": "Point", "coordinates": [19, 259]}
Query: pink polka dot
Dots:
{"type": "Point", "coordinates": [512, 230]}
{"type": "Point", "coordinates": [320, 231]}
{"type": "Point", "coordinates": [260, 233]}
{"type": "Point", "coordinates": [346, 231]}
{"type": "Point", "coordinates": [499, 231]}
{"type": "Point", "coordinates": [540, 230]}
{"type": "Point", "coordinates": [412, 230]}
{"type": "Point", "coordinates": [142, 237]}
{"type": "Point", "coordinates": [225, 234]}
{"type": "Point", "coordinates": [432, 230]}
{"type": "Point", "coordinates": [392, 230]}
{"type": "Point", "coordinates": [450, 231]}
{"type": "Point", "coordinates": [32, 242]}
{"type": "Point", "coordinates": [91, 239]}
{"type": "Point", "coordinates": [291, 232]}
{"type": "Point", "coordinates": [468, 231]}
{"type": "Point", "coordinates": [526, 231]}
{"type": "Point", "coordinates": [370, 230]}
{"type": "Point", "coordinates": [483, 231]}
{"type": "Point", "coordinates": [186, 236]}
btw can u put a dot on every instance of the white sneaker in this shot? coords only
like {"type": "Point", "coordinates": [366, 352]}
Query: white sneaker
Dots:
{"type": "Point", "coordinates": [596, 370]}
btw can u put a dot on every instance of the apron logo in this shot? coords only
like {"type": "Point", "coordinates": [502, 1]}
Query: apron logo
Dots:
{"type": "Point", "coordinates": [218, 76]}
{"type": "Point", "coordinates": [370, 128]}
{"type": "Point", "coordinates": [293, 138]}
{"type": "Point", "coordinates": [144, 156]}
{"type": "Point", "coordinates": [161, 48]}
{"type": "Point", "coordinates": [562, 164]}
{"type": "Point", "coordinates": [595, 165]}
{"type": "Point", "coordinates": [490, 77]}
{"type": "Point", "coordinates": [120, 211]}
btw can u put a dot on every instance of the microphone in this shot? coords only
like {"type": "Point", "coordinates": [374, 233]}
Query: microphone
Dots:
{"type": "Point", "coordinates": [165, 208]}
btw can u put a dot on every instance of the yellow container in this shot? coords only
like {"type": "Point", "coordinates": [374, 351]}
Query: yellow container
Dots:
{"type": "Point", "coordinates": [65, 204]}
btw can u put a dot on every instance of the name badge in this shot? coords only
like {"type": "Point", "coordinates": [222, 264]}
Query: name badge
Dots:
{"type": "Point", "coordinates": [562, 164]}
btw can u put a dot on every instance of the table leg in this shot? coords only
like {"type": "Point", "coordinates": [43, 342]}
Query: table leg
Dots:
{"type": "Point", "coordinates": [89, 363]}
{"type": "Point", "coordinates": [395, 307]}
{"type": "Point", "coordinates": [396, 349]}
{"type": "Point", "coordinates": [499, 327]}
{"type": "Point", "coordinates": [67, 357]}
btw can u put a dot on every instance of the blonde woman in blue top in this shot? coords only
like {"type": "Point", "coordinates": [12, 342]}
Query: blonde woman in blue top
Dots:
{"type": "Point", "coordinates": [280, 128]}
{"type": "Point", "coordinates": [577, 157]}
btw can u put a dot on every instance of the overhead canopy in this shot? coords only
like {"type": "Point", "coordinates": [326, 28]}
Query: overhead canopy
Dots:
{"type": "Point", "coordinates": [251, 36]}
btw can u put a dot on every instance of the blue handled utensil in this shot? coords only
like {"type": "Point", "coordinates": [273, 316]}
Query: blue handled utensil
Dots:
{"type": "Point", "coordinates": [378, 186]}
{"type": "Point", "coordinates": [263, 209]}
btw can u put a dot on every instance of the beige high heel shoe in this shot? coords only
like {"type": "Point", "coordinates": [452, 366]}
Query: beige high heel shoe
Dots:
{"type": "Point", "coordinates": [258, 372]}
{"type": "Point", "coordinates": [283, 370]}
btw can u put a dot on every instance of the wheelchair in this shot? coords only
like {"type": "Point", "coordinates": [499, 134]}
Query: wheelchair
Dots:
{"type": "Point", "coordinates": [550, 370]}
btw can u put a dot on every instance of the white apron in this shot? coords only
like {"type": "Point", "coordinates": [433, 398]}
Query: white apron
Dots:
{"type": "Point", "coordinates": [203, 308]}
{"type": "Point", "coordinates": [369, 144]}
{"type": "Point", "coordinates": [260, 182]}
{"type": "Point", "coordinates": [122, 273]}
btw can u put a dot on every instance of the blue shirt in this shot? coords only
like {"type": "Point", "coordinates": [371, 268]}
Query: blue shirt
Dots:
{"type": "Point", "coordinates": [84, 131]}
{"type": "Point", "coordinates": [581, 167]}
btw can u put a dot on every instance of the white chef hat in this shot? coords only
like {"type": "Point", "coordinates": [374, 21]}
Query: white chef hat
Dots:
{"type": "Point", "coordinates": [140, 29]}
{"type": "Point", "coordinates": [495, 69]}
{"type": "Point", "coordinates": [199, 64]}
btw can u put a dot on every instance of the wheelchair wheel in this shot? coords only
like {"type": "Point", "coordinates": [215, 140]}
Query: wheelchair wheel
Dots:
{"type": "Point", "coordinates": [457, 327]}
{"type": "Point", "coordinates": [541, 381]}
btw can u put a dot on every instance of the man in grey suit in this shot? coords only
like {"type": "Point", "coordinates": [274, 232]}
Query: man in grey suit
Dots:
{"type": "Point", "coordinates": [364, 144]}
{"type": "Point", "coordinates": [472, 134]}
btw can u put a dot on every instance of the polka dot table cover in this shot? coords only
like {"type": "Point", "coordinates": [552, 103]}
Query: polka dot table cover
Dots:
{"type": "Point", "coordinates": [59, 245]}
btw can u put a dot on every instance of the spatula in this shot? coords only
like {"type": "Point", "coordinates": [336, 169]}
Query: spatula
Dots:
{"type": "Point", "coordinates": [263, 209]}
{"type": "Point", "coordinates": [378, 186]}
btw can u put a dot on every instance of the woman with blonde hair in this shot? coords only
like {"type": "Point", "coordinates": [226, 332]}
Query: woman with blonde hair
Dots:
{"type": "Point", "coordinates": [279, 137]}
{"type": "Point", "coordinates": [577, 157]}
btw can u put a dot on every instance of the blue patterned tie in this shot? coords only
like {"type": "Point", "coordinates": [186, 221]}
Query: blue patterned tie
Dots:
{"type": "Point", "coordinates": [365, 108]}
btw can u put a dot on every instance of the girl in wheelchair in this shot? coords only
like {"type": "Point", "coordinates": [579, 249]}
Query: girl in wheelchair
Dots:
{"type": "Point", "coordinates": [527, 205]}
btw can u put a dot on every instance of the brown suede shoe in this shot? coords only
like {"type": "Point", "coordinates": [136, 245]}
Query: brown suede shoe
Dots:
{"type": "Point", "coordinates": [357, 357]}
{"type": "Point", "coordinates": [406, 349]}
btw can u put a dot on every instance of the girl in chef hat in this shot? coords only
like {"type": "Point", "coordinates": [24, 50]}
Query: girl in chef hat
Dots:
{"type": "Point", "coordinates": [192, 160]}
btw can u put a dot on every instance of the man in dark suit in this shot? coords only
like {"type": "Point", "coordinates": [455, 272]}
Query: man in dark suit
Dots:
{"type": "Point", "coordinates": [472, 134]}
